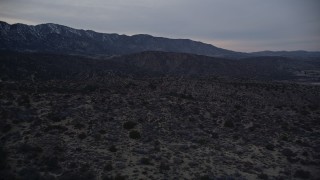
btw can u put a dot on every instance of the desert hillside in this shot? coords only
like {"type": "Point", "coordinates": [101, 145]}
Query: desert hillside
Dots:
{"type": "Point", "coordinates": [159, 128]}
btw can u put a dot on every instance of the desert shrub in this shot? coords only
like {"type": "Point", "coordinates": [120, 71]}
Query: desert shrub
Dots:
{"type": "Point", "coordinates": [156, 145]}
{"type": "Point", "coordinates": [237, 107]}
{"type": "Point", "coordinates": [113, 149]}
{"type": "Point", "coordinates": [215, 135]}
{"type": "Point", "coordinates": [102, 131]}
{"type": "Point", "coordinates": [288, 152]}
{"type": "Point", "coordinates": [152, 86]}
{"type": "Point", "coordinates": [131, 103]}
{"type": "Point", "coordinates": [84, 167]}
{"type": "Point", "coordinates": [32, 151]}
{"type": "Point", "coordinates": [129, 125]}
{"type": "Point", "coordinates": [229, 124]}
{"type": "Point", "coordinates": [181, 95]}
{"type": "Point", "coordinates": [4, 114]}
{"type": "Point", "coordinates": [108, 167]}
{"type": "Point", "coordinates": [7, 175]}
{"type": "Point", "coordinates": [306, 128]}
{"type": "Point", "coordinates": [131, 85]}
{"type": "Point", "coordinates": [119, 177]}
{"type": "Point", "coordinates": [6, 128]}
{"type": "Point", "coordinates": [313, 107]}
{"type": "Point", "coordinates": [24, 101]}
{"type": "Point", "coordinates": [304, 112]}
{"type": "Point", "coordinates": [54, 117]}
{"type": "Point", "coordinates": [270, 147]}
{"type": "Point", "coordinates": [134, 134]}
{"type": "Point", "coordinates": [284, 137]}
{"type": "Point", "coordinates": [164, 167]}
{"type": "Point", "coordinates": [3, 158]}
{"type": "Point", "coordinates": [236, 137]}
{"type": "Point", "coordinates": [82, 136]}
{"type": "Point", "coordinates": [51, 163]}
{"type": "Point", "coordinates": [58, 149]}
{"type": "Point", "coordinates": [192, 119]}
{"type": "Point", "coordinates": [48, 176]}
{"type": "Point", "coordinates": [9, 96]}
{"type": "Point", "coordinates": [196, 111]}
{"type": "Point", "coordinates": [90, 88]}
{"type": "Point", "coordinates": [145, 161]}
{"type": "Point", "coordinates": [203, 142]}
{"type": "Point", "coordinates": [106, 177]}
{"type": "Point", "coordinates": [305, 154]}
{"type": "Point", "coordinates": [55, 128]}
{"type": "Point", "coordinates": [263, 176]}
{"type": "Point", "coordinates": [29, 173]}
{"type": "Point", "coordinates": [72, 165]}
{"type": "Point", "coordinates": [89, 175]}
{"type": "Point", "coordinates": [26, 148]}
{"type": "Point", "coordinates": [97, 137]}
{"type": "Point", "coordinates": [254, 127]}
{"type": "Point", "coordinates": [302, 174]}
{"type": "Point", "coordinates": [79, 126]}
{"type": "Point", "coordinates": [205, 177]}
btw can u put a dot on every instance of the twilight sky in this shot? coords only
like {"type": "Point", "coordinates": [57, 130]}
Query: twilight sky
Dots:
{"type": "Point", "coordinates": [240, 25]}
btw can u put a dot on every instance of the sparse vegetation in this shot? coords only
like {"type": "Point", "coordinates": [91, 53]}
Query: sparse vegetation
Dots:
{"type": "Point", "coordinates": [263, 176]}
{"type": "Point", "coordinates": [6, 128]}
{"type": "Point", "coordinates": [113, 149]}
{"type": "Point", "coordinates": [134, 134]}
{"type": "Point", "coordinates": [270, 147]}
{"type": "Point", "coordinates": [87, 175]}
{"type": "Point", "coordinates": [164, 167]}
{"type": "Point", "coordinates": [146, 133]}
{"type": "Point", "coordinates": [24, 100]}
{"type": "Point", "coordinates": [52, 163]}
{"type": "Point", "coordinates": [119, 177]}
{"type": "Point", "coordinates": [228, 124]}
{"type": "Point", "coordinates": [145, 161]}
{"type": "Point", "coordinates": [79, 126]}
{"type": "Point", "coordinates": [30, 150]}
{"type": "Point", "coordinates": [3, 158]}
{"type": "Point", "coordinates": [129, 125]}
{"type": "Point", "coordinates": [82, 136]}
{"type": "Point", "coordinates": [108, 167]}
{"type": "Point", "coordinates": [302, 174]}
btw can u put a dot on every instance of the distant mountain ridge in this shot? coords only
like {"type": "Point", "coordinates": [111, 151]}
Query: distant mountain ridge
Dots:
{"type": "Point", "coordinates": [291, 54]}
{"type": "Point", "coordinates": [153, 63]}
{"type": "Point", "coordinates": [60, 39]}
{"type": "Point", "coordinates": [54, 38]}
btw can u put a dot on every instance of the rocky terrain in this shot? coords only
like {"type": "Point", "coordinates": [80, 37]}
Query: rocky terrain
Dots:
{"type": "Point", "coordinates": [159, 128]}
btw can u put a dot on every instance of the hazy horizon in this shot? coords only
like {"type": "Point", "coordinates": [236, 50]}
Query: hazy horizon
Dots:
{"type": "Point", "coordinates": [246, 26]}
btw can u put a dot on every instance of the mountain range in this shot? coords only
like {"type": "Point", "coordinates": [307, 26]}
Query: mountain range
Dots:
{"type": "Point", "coordinates": [51, 51]}
{"type": "Point", "coordinates": [59, 39]}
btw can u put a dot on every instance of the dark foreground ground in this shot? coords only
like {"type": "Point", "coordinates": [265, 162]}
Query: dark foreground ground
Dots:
{"type": "Point", "coordinates": [160, 128]}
